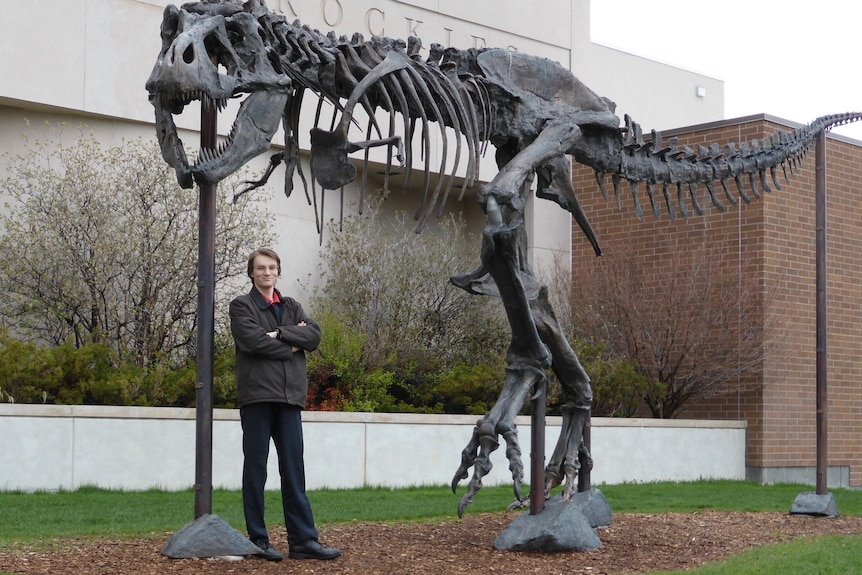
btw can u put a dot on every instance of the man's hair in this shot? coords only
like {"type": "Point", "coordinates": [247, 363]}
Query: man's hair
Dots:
{"type": "Point", "coordinates": [268, 252]}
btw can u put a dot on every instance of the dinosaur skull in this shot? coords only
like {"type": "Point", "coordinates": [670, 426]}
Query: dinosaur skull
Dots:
{"type": "Point", "coordinates": [213, 51]}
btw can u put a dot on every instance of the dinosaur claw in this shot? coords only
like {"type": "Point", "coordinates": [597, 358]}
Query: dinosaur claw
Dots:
{"type": "Point", "coordinates": [517, 488]}
{"type": "Point", "coordinates": [518, 504]}
{"type": "Point", "coordinates": [456, 480]}
{"type": "Point", "coordinates": [462, 505]}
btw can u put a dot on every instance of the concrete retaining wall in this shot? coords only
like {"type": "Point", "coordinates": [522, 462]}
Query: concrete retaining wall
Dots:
{"type": "Point", "coordinates": [49, 447]}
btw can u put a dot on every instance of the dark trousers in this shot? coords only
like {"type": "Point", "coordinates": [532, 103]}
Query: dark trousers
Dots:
{"type": "Point", "coordinates": [282, 423]}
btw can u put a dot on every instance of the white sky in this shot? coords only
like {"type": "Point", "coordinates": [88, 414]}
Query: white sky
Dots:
{"type": "Point", "coordinates": [793, 60]}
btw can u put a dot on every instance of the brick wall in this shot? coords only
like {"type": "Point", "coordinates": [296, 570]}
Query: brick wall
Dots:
{"type": "Point", "coordinates": [774, 239]}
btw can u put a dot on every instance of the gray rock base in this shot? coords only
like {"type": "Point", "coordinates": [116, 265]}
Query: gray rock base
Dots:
{"type": "Point", "coordinates": [812, 503]}
{"type": "Point", "coordinates": [561, 526]}
{"type": "Point", "coordinates": [592, 504]}
{"type": "Point", "coordinates": [208, 536]}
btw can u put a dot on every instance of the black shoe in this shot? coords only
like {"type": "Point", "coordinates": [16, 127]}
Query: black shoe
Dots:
{"type": "Point", "coordinates": [312, 549]}
{"type": "Point", "coordinates": [266, 551]}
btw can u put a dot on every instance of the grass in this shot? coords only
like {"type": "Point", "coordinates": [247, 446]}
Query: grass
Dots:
{"type": "Point", "coordinates": [718, 496]}
{"type": "Point", "coordinates": [829, 555]}
{"type": "Point", "coordinates": [89, 512]}
{"type": "Point", "coordinates": [35, 519]}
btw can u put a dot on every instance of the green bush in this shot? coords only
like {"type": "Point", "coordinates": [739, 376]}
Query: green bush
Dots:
{"type": "Point", "coordinates": [370, 391]}
{"type": "Point", "coordinates": [408, 381]}
{"type": "Point", "coordinates": [336, 364]}
{"type": "Point", "coordinates": [617, 386]}
{"type": "Point", "coordinates": [177, 386]}
{"type": "Point", "coordinates": [467, 389]}
{"type": "Point", "coordinates": [224, 378]}
{"type": "Point", "coordinates": [26, 372]}
{"type": "Point", "coordinates": [92, 375]}
{"type": "Point", "coordinates": [89, 375]}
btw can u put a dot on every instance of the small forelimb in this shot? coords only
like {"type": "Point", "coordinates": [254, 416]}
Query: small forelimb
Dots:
{"type": "Point", "coordinates": [274, 161]}
{"type": "Point", "coordinates": [391, 141]}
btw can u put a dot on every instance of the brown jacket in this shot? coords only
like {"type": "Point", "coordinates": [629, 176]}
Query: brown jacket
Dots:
{"type": "Point", "coordinates": [267, 369]}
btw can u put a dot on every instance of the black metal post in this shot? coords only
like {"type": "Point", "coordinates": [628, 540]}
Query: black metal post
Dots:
{"type": "Point", "coordinates": [820, 273]}
{"type": "Point", "coordinates": [537, 448]}
{"type": "Point", "coordinates": [584, 481]}
{"type": "Point", "coordinates": [206, 322]}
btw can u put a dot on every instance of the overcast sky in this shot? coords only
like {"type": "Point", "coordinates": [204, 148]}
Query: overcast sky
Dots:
{"type": "Point", "coordinates": [792, 60]}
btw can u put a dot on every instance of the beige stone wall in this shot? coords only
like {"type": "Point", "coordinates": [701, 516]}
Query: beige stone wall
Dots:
{"type": "Point", "coordinates": [66, 447]}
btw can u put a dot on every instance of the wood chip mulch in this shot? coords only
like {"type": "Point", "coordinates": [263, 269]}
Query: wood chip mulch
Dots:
{"type": "Point", "coordinates": [634, 543]}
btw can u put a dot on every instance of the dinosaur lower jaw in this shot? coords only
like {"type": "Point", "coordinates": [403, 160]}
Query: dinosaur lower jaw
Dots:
{"type": "Point", "coordinates": [173, 150]}
{"type": "Point", "coordinates": [251, 135]}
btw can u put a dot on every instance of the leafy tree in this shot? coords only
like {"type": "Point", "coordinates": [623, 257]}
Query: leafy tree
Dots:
{"type": "Point", "coordinates": [395, 321]}
{"type": "Point", "coordinates": [693, 324]}
{"type": "Point", "coordinates": [99, 246]}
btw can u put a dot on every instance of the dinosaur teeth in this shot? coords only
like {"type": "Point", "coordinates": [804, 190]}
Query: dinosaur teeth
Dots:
{"type": "Point", "coordinates": [206, 155]}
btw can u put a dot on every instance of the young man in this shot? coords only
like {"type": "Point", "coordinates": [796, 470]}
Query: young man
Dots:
{"type": "Point", "coordinates": [272, 334]}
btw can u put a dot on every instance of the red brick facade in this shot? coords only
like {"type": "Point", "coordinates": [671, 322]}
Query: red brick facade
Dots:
{"type": "Point", "coordinates": [773, 237]}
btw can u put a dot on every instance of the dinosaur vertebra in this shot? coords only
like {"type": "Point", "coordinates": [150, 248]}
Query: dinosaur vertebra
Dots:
{"type": "Point", "coordinates": [532, 110]}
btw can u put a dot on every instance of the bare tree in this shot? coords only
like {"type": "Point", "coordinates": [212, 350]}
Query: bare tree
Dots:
{"type": "Point", "coordinates": [390, 284]}
{"type": "Point", "coordinates": [100, 245]}
{"type": "Point", "coordinates": [691, 320]}
{"type": "Point", "coordinates": [617, 387]}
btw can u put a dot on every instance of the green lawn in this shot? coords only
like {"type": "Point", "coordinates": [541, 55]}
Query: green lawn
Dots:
{"type": "Point", "coordinates": [35, 519]}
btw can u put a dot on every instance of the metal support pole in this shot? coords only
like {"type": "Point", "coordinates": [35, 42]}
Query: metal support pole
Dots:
{"type": "Point", "coordinates": [820, 223]}
{"type": "Point", "coordinates": [584, 481]}
{"type": "Point", "coordinates": [206, 322]}
{"type": "Point", "coordinates": [537, 449]}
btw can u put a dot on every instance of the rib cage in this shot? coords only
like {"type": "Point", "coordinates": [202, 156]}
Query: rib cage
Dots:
{"type": "Point", "coordinates": [431, 90]}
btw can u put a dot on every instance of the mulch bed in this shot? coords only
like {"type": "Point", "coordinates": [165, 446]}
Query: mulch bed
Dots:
{"type": "Point", "coordinates": [634, 543]}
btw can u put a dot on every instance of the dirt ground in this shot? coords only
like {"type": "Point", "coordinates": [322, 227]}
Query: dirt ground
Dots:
{"type": "Point", "coordinates": [632, 544]}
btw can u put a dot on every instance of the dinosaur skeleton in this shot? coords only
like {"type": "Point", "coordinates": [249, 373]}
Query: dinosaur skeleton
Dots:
{"type": "Point", "coordinates": [532, 110]}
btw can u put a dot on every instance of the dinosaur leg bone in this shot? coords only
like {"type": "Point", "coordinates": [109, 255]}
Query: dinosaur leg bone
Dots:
{"type": "Point", "coordinates": [545, 156]}
{"type": "Point", "coordinates": [570, 452]}
{"type": "Point", "coordinates": [564, 462]}
{"type": "Point", "coordinates": [555, 139]}
{"type": "Point", "coordinates": [527, 357]}
{"type": "Point", "coordinates": [555, 184]}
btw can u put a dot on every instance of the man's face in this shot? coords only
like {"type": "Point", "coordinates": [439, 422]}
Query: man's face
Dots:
{"type": "Point", "coordinates": [264, 274]}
